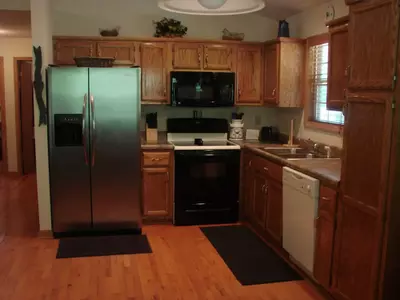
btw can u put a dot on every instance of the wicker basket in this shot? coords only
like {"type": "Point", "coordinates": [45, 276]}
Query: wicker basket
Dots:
{"type": "Point", "coordinates": [94, 62]}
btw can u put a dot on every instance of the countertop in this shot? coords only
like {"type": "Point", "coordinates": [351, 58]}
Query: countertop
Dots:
{"type": "Point", "coordinates": [328, 171]}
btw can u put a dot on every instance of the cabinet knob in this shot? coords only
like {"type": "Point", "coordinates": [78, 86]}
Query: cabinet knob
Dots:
{"type": "Point", "coordinates": [273, 92]}
{"type": "Point", "coordinates": [240, 92]}
{"type": "Point", "coordinates": [262, 188]}
{"type": "Point", "coordinates": [250, 163]}
{"type": "Point", "coordinates": [266, 189]}
{"type": "Point", "coordinates": [165, 92]}
{"type": "Point", "coordinates": [266, 169]}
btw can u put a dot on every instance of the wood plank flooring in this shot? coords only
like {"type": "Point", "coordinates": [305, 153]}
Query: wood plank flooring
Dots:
{"type": "Point", "coordinates": [183, 265]}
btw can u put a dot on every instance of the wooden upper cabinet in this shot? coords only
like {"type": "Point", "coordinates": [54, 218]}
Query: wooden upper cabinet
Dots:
{"type": "Point", "coordinates": [219, 57]}
{"type": "Point", "coordinates": [283, 72]}
{"type": "Point", "coordinates": [66, 50]}
{"type": "Point", "coordinates": [123, 52]}
{"type": "Point", "coordinates": [271, 73]}
{"type": "Point", "coordinates": [187, 56]}
{"type": "Point", "coordinates": [373, 33]}
{"type": "Point", "coordinates": [249, 74]}
{"type": "Point", "coordinates": [153, 60]}
{"type": "Point", "coordinates": [338, 62]}
{"type": "Point", "coordinates": [156, 192]}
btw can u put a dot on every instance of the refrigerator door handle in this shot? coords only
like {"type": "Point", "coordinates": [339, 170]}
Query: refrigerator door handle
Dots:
{"type": "Point", "coordinates": [84, 129]}
{"type": "Point", "coordinates": [93, 142]}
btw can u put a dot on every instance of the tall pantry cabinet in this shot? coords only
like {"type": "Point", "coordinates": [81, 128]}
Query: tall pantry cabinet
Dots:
{"type": "Point", "coordinates": [367, 233]}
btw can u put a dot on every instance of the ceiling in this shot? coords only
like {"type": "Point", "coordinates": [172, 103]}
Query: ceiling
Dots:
{"type": "Point", "coordinates": [282, 9]}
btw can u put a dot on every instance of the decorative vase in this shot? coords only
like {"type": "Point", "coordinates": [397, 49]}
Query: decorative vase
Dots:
{"type": "Point", "coordinates": [237, 130]}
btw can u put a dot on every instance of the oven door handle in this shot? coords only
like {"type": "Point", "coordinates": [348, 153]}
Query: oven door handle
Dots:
{"type": "Point", "coordinates": [211, 154]}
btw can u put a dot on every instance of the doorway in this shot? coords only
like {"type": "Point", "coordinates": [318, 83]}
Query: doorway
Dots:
{"type": "Point", "coordinates": [25, 116]}
{"type": "Point", "coordinates": [3, 142]}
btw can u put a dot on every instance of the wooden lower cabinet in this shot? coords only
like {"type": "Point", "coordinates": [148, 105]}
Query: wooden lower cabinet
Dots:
{"type": "Point", "coordinates": [157, 180]}
{"type": "Point", "coordinates": [262, 197]}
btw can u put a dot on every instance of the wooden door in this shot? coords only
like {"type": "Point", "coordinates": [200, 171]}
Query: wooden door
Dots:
{"type": "Point", "coordinates": [260, 200]}
{"type": "Point", "coordinates": [338, 64]}
{"type": "Point", "coordinates": [123, 52]}
{"type": "Point", "coordinates": [187, 56]}
{"type": "Point", "coordinates": [156, 192]}
{"type": "Point", "coordinates": [324, 240]}
{"type": "Point", "coordinates": [271, 73]}
{"type": "Point", "coordinates": [66, 50]}
{"type": "Point", "coordinates": [154, 72]}
{"type": "Point", "coordinates": [358, 237]}
{"type": "Point", "coordinates": [247, 185]}
{"type": "Point", "coordinates": [28, 161]}
{"type": "Point", "coordinates": [274, 210]}
{"type": "Point", "coordinates": [249, 75]}
{"type": "Point", "coordinates": [218, 57]}
{"type": "Point", "coordinates": [373, 36]}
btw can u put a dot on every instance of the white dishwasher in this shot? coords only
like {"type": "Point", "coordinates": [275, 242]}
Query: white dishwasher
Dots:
{"type": "Point", "coordinates": [300, 209]}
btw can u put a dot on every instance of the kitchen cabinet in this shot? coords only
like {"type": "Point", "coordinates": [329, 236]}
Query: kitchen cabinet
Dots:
{"type": "Point", "coordinates": [153, 61]}
{"type": "Point", "coordinates": [283, 72]}
{"type": "Point", "coordinates": [157, 190]}
{"type": "Point", "coordinates": [274, 210]}
{"type": "Point", "coordinates": [65, 50]}
{"type": "Point", "coordinates": [249, 74]}
{"type": "Point", "coordinates": [262, 196]}
{"type": "Point", "coordinates": [367, 229]}
{"type": "Point", "coordinates": [124, 52]}
{"type": "Point", "coordinates": [338, 62]}
{"type": "Point", "coordinates": [325, 228]}
{"type": "Point", "coordinates": [187, 56]}
{"type": "Point", "coordinates": [271, 74]}
{"type": "Point", "coordinates": [219, 57]}
{"type": "Point", "coordinates": [260, 200]}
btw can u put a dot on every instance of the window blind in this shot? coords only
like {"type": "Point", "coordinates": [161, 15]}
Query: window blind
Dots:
{"type": "Point", "coordinates": [318, 72]}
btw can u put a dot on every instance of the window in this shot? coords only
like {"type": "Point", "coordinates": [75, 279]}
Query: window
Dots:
{"type": "Point", "coordinates": [318, 113]}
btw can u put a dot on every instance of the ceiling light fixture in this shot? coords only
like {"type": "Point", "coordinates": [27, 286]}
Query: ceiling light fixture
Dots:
{"type": "Point", "coordinates": [212, 7]}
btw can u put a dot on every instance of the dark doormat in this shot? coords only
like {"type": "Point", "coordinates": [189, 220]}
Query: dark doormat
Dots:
{"type": "Point", "coordinates": [248, 257]}
{"type": "Point", "coordinates": [103, 246]}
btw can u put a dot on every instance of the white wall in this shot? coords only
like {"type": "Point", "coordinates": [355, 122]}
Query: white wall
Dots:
{"type": "Point", "coordinates": [308, 23]}
{"type": "Point", "coordinates": [77, 17]}
{"type": "Point", "coordinates": [10, 48]}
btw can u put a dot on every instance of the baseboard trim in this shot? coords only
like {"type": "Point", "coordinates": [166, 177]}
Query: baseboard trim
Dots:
{"type": "Point", "coordinates": [45, 234]}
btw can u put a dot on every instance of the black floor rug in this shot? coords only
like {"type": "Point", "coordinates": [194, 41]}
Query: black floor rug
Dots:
{"type": "Point", "coordinates": [103, 246]}
{"type": "Point", "coordinates": [248, 257]}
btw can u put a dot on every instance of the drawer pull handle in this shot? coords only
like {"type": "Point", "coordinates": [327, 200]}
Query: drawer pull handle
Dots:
{"type": "Point", "coordinates": [156, 159]}
{"type": "Point", "coordinates": [326, 199]}
{"type": "Point", "coordinates": [266, 169]}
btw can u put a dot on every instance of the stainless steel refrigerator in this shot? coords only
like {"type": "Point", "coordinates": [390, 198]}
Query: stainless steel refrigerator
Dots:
{"type": "Point", "coordinates": [94, 149]}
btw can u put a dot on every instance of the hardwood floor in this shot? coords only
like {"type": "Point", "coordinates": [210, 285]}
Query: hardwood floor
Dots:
{"type": "Point", "coordinates": [183, 265]}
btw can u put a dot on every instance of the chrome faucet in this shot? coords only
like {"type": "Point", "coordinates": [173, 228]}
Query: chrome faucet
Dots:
{"type": "Point", "coordinates": [328, 151]}
{"type": "Point", "coordinates": [316, 147]}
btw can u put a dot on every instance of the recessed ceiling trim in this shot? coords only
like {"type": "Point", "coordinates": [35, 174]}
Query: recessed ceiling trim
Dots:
{"type": "Point", "coordinates": [193, 7]}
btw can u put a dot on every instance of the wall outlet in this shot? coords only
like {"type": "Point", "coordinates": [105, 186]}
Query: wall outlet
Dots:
{"type": "Point", "coordinates": [257, 120]}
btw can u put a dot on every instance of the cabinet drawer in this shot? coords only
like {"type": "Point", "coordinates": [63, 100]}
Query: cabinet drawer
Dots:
{"type": "Point", "coordinates": [327, 202]}
{"type": "Point", "coordinates": [156, 158]}
{"type": "Point", "coordinates": [272, 170]}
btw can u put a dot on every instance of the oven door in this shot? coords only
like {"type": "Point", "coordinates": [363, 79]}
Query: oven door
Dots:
{"type": "Point", "coordinates": [206, 186]}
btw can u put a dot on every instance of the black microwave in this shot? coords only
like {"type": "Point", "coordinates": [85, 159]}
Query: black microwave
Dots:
{"type": "Point", "coordinates": [202, 89]}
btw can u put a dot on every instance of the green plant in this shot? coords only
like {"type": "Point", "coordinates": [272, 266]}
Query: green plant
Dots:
{"type": "Point", "coordinates": [169, 28]}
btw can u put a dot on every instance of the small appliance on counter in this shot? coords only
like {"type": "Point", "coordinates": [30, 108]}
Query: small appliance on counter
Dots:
{"type": "Point", "coordinates": [151, 127]}
{"type": "Point", "coordinates": [237, 127]}
{"type": "Point", "coordinates": [269, 134]}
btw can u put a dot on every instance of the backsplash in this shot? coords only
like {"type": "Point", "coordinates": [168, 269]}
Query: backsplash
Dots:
{"type": "Point", "coordinates": [254, 117]}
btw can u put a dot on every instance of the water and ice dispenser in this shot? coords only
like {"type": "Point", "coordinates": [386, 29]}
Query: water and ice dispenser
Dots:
{"type": "Point", "coordinates": [68, 130]}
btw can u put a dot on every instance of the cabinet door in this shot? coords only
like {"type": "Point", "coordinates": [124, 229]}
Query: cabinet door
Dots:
{"type": "Point", "coordinates": [123, 52]}
{"type": "Point", "coordinates": [187, 56]}
{"type": "Point", "coordinates": [271, 72]}
{"type": "Point", "coordinates": [274, 210]}
{"type": "Point", "coordinates": [247, 186]}
{"type": "Point", "coordinates": [373, 35]}
{"type": "Point", "coordinates": [338, 67]}
{"type": "Point", "coordinates": [156, 192]}
{"type": "Point", "coordinates": [358, 238]}
{"type": "Point", "coordinates": [260, 200]}
{"type": "Point", "coordinates": [249, 75]}
{"type": "Point", "coordinates": [153, 57]}
{"type": "Point", "coordinates": [218, 57]}
{"type": "Point", "coordinates": [66, 50]}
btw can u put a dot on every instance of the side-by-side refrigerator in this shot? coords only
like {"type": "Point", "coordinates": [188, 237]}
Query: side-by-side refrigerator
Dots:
{"type": "Point", "coordinates": [94, 149]}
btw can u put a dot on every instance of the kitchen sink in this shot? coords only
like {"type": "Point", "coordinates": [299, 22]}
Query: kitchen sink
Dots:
{"type": "Point", "coordinates": [295, 153]}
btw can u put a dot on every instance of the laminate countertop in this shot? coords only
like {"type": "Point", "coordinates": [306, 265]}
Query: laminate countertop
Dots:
{"type": "Point", "coordinates": [160, 144]}
{"type": "Point", "coordinates": [328, 171]}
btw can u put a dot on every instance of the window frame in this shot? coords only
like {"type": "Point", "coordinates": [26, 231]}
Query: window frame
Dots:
{"type": "Point", "coordinates": [309, 120]}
